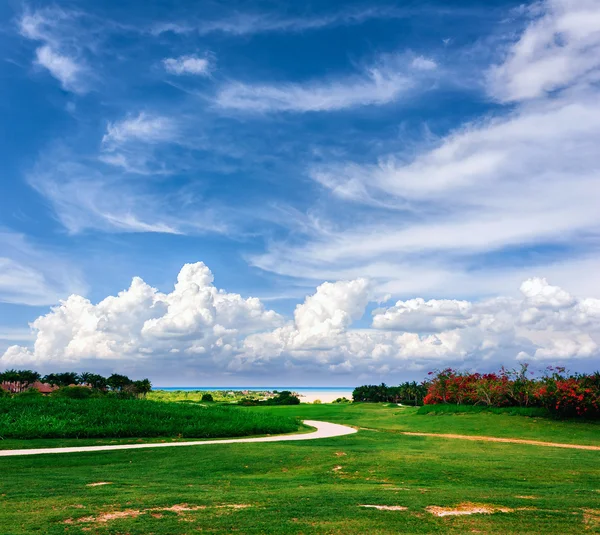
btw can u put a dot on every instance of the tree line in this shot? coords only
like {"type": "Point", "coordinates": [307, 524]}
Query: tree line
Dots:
{"type": "Point", "coordinates": [562, 393]}
{"type": "Point", "coordinates": [406, 393]}
{"type": "Point", "coordinates": [24, 380]}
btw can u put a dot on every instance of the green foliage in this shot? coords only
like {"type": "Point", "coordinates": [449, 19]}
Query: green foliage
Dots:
{"type": "Point", "coordinates": [23, 378]}
{"type": "Point", "coordinates": [285, 397]}
{"type": "Point", "coordinates": [30, 393]}
{"type": "Point", "coordinates": [142, 387]}
{"type": "Point", "coordinates": [94, 380]}
{"type": "Point", "coordinates": [73, 392]}
{"type": "Point", "coordinates": [62, 379]}
{"type": "Point", "coordinates": [118, 382]}
{"type": "Point", "coordinates": [207, 397]}
{"type": "Point", "coordinates": [317, 402]}
{"type": "Point", "coordinates": [406, 393]}
{"type": "Point", "coordinates": [28, 417]}
{"type": "Point", "coordinates": [342, 400]}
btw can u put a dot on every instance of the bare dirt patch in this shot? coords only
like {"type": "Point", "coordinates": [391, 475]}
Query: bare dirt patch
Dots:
{"type": "Point", "coordinates": [99, 483]}
{"type": "Point", "coordinates": [467, 509]}
{"type": "Point", "coordinates": [337, 468]}
{"type": "Point", "coordinates": [527, 497]}
{"type": "Point", "coordinates": [591, 517]}
{"type": "Point", "coordinates": [181, 508]}
{"type": "Point", "coordinates": [107, 517]}
{"type": "Point", "coordinates": [340, 454]}
{"type": "Point", "coordinates": [386, 507]}
{"type": "Point", "coordinates": [155, 512]}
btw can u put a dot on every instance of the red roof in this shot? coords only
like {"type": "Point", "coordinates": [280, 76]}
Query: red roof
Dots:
{"type": "Point", "coordinates": [44, 388]}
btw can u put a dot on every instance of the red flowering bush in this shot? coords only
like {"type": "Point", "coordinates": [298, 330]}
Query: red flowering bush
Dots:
{"type": "Point", "coordinates": [576, 395]}
{"type": "Point", "coordinates": [562, 394]}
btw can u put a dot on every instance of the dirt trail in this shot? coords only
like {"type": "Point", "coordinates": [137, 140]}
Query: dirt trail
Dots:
{"type": "Point", "coordinates": [508, 440]}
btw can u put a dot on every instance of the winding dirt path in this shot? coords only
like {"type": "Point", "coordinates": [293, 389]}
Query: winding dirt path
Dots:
{"type": "Point", "coordinates": [508, 440]}
{"type": "Point", "coordinates": [324, 430]}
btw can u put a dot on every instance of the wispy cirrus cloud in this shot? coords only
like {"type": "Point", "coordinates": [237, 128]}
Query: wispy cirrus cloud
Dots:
{"type": "Point", "coordinates": [131, 143]}
{"type": "Point", "coordinates": [61, 51]}
{"type": "Point", "coordinates": [87, 194]}
{"type": "Point", "coordinates": [32, 275]}
{"type": "Point", "coordinates": [376, 85]}
{"type": "Point", "coordinates": [502, 182]}
{"type": "Point", "coordinates": [63, 68]}
{"type": "Point", "coordinates": [252, 23]}
{"type": "Point", "coordinates": [560, 46]}
{"type": "Point", "coordinates": [143, 127]}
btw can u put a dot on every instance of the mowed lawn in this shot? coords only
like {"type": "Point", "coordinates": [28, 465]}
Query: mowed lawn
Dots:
{"type": "Point", "coordinates": [319, 486]}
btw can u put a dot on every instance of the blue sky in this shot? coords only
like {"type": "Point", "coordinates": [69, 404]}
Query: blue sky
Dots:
{"type": "Point", "coordinates": [444, 156]}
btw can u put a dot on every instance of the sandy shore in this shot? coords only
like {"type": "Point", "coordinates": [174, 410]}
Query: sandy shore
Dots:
{"type": "Point", "coordinates": [325, 397]}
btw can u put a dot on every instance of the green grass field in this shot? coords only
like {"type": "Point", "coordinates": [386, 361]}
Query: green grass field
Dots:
{"type": "Point", "coordinates": [38, 418]}
{"type": "Point", "coordinates": [317, 487]}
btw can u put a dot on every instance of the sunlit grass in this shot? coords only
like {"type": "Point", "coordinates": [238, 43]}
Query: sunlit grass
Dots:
{"type": "Point", "coordinates": [317, 487]}
{"type": "Point", "coordinates": [35, 418]}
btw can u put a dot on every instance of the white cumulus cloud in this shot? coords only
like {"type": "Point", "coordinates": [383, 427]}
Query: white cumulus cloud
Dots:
{"type": "Point", "coordinates": [201, 327]}
{"type": "Point", "coordinates": [187, 65]}
{"type": "Point", "coordinates": [143, 323]}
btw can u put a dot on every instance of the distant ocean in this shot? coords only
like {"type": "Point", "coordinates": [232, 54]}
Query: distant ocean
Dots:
{"type": "Point", "coordinates": [299, 389]}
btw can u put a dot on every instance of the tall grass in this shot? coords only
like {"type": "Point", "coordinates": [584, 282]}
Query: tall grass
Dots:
{"type": "Point", "coordinates": [469, 409]}
{"type": "Point", "coordinates": [26, 418]}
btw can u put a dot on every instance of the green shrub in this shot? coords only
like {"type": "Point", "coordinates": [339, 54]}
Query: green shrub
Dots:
{"type": "Point", "coordinates": [207, 397]}
{"type": "Point", "coordinates": [285, 397]}
{"type": "Point", "coordinates": [73, 392]}
{"type": "Point", "coordinates": [30, 393]}
{"type": "Point", "coordinates": [405, 393]}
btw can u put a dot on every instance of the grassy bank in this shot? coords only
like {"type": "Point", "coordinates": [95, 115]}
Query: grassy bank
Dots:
{"type": "Point", "coordinates": [36, 418]}
{"type": "Point", "coordinates": [393, 419]}
{"type": "Point", "coordinates": [474, 409]}
{"type": "Point", "coordinates": [318, 487]}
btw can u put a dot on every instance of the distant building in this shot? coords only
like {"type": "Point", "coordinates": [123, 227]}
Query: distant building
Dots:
{"type": "Point", "coordinates": [14, 387]}
{"type": "Point", "coordinates": [44, 388]}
